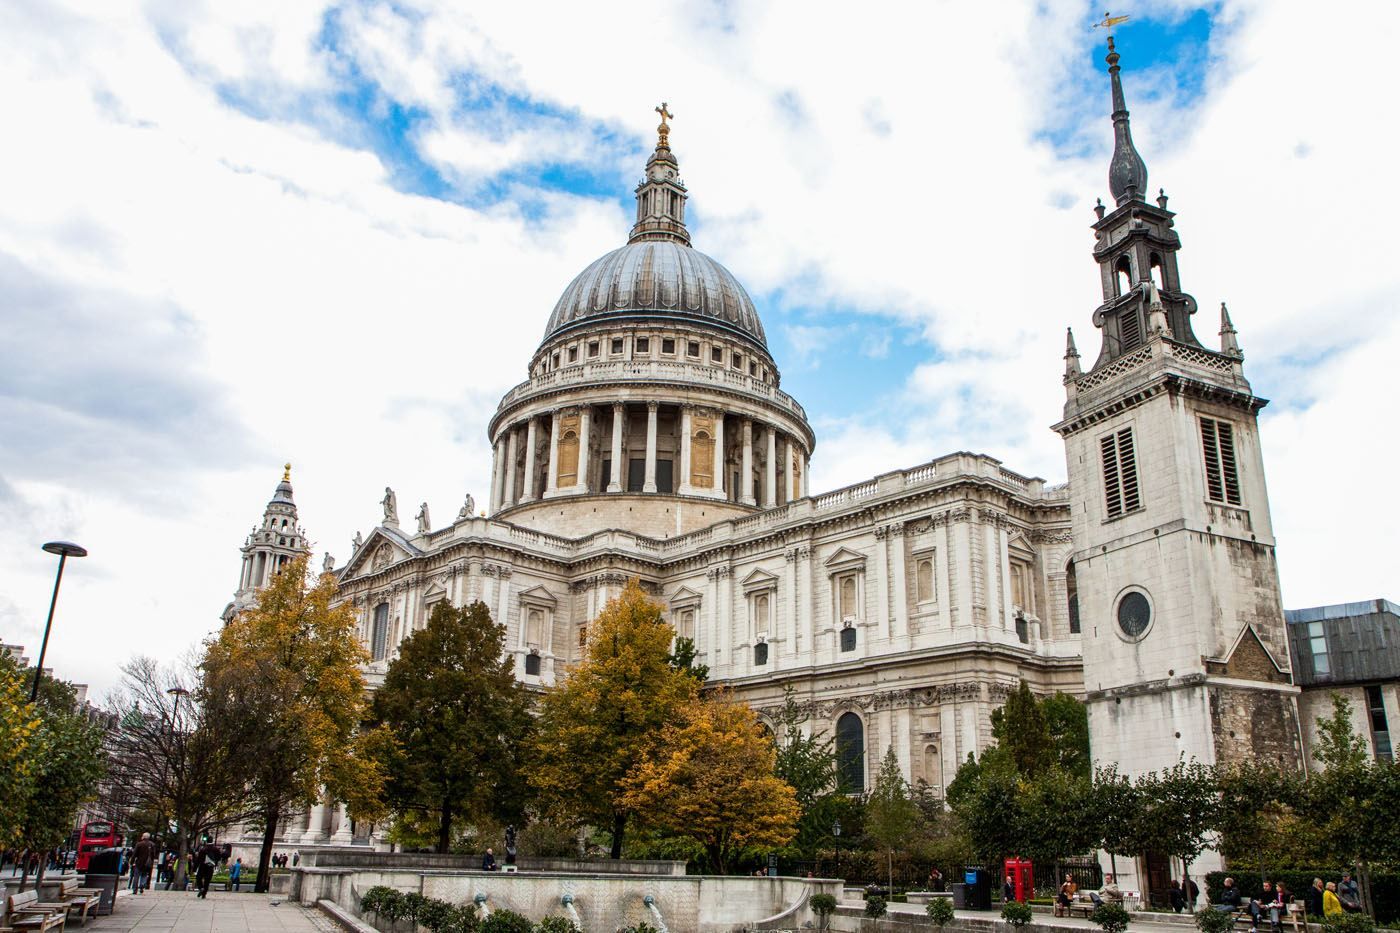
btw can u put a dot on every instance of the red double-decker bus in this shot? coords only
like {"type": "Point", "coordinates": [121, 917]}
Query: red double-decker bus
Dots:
{"type": "Point", "coordinates": [96, 835]}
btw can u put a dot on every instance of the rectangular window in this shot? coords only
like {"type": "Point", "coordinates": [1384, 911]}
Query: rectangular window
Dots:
{"type": "Point", "coordinates": [1120, 478]}
{"type": "Point", "coordinates": [554, 361]}
{"type": "Point", "coordinates": [636, 474]}
{"type": "Point", "coordinates": [643, 344]}
{"type": "Point", "coordinates": [1317, 647]}
{"type": "Point", "coordinates": [716, 355]}
{"type": "Point", "coordinates": [379, 634]}
{"type": "Point", "coordinates": [573, 354]}
{"type": "Point", "coordinates": [737, 361]}
{"type": "Point", "coordinates": [593, 348]}
{"type": "Point", "coordinates": [664, 472]}
{"type": "Point", "coordinates": [617, 345]}
{"type": "Point", "coordinates": [1380, 729]}
{"type": "Point", "coordinates": [668, 345]}
{"type": "Point", "coordinates": [753, 368]}
{"type": "Point", "coordinates": [1222, 475]}
{"type": "Point", "coordinates": [692, 348]}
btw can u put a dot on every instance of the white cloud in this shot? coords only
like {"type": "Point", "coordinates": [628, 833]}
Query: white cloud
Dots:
{"type": "Point", "coordinates": [885, 158]}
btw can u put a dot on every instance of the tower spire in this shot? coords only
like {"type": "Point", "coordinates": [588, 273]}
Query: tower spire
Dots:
{"type": "Point", "coordinates": [1127, 173]}
{"type": "Point", "coordinates": [1229, 337]}
{"type": "Point", "coordinates": [1072, 368]}
{"type": "Point", "coordinates": [661, 195]}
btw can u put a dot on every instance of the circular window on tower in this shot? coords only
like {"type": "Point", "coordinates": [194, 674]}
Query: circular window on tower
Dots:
{"type": "Point", "coordinates": [1134, 614]}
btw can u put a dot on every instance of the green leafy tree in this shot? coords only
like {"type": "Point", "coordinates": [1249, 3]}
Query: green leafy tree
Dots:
{"type": "Point", "coordinates": [683, 659]}
{"type": "Point", "coordinates": [1021, 730]}
{"type": "Point", "coordinates": [987, 797]}
{"type": "Point", "coordinates": [891, 817]}
{"type": "Point", "coordinates": [605, 718]}
{"type": "Point", "coordinates": [1057, 817]}
{"type": "Point", "coordinates": [1111, 917]}
{"type": "Point", "coordinates": [940, 911]}
{"type": "Point", "coordinates": [1256, 820]}
{"type": "Point", "coordinates": [1180, 805]}
{"type": "Point", "coordinates": [18, 723]}
{"type": "Point", "coordinates": [1067, 720]}
{"type": "Point", "coordinates": [459, 722]}
{"type": "Point", "coordinates": [1117, 806]}
{"type": "Point", "coordinates": [807, 763]}
{"type": "Point", "coordinates": [67, 764]}
{"type": "Point", "coordinates": [1338, 745]}
{"type": "Point", "coordinates": [823, 905]}
{"type": "Point", "coordinates": [285, 677]}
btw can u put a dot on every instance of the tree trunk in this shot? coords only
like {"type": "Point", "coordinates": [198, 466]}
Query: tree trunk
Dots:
{"type": "Point", "coordinates": [1363, 875]}
{"type": "Point", "coordinates": [182, 850]}
{"type": "Point", "coordinates": [619, 824]}
{"type": "Point", "coordinates": [444, 827]}
{"type": "Point", "coordinates": [1112, 860]}
{"type": "Point", "coordinates": [265, 854]}
{"type": "Point", "coordinates": [889, 857]}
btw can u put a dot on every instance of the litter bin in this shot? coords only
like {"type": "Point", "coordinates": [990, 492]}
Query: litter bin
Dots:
{"type": "Point", "coordinates": [978, 882]}
{"type": "Point", "coordinates": [104, 867]}
{"type": "Point", "coordinates": [959, 895]}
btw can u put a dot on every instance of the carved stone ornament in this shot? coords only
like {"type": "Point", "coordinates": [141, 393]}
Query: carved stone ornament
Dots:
{"type": "Point", "coordinates": [382, 555]}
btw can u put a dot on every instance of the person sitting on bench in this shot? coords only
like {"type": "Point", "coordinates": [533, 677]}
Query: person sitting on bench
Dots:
{"type": "Point", "coordinates": [1229, 898]}
{"type": "Point", "coordinates": [1109, 892]}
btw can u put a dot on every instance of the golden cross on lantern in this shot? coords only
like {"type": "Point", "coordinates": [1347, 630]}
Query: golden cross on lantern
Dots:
{"type": "Point", "coordinates": [287, 473]}
{"type": "Point", "coordinates": [1109, 21]}
{"type": "Point", "coordinates": [665, 114]}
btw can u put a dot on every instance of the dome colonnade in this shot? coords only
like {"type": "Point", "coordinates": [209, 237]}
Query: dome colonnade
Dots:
{"type": "Point", "coordinates": [653, 380]}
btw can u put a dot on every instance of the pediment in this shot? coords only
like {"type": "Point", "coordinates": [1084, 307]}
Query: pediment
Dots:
{"type": "Point", "coordinates": [539, 596]}
{"type": "Point", "coordinates": [1020, 547]}
{"type": "Point", "coordinates": [382, 549]}
{"type": "Point", "coordinates": [759, 579]}
{"type": "Point", "coordinates": [845, 559]}
{"type": "Point", "coordinates": [1248, 659]}
{"type": "Point", "coordinates": [684, 596]}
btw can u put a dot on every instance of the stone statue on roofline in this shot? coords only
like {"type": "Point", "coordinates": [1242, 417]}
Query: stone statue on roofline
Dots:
{"type": "Point", "coordinates": [425, 524]}
{"type": "Point", "coordinates": [468, 507]}
{"type": "Point", "coordinates": [391, 507]}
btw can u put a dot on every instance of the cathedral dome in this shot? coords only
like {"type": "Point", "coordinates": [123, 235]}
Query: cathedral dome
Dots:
{"type": "Point", "coordinates": [657, 278]}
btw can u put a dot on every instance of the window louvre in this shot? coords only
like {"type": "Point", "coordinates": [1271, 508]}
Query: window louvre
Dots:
{"type": "Point", "coordinates": [1222, 474]}
{"type": "Point", "coordinates": [1120, 478]}
{"type": "Point", "coordinates": [1129, 329]}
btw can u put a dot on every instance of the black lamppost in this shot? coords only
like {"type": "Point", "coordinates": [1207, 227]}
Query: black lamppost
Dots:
{"type": "Point", "coordinates": [836, 835]}
{"type": "Point", "coordinates": [64, 550]}
{"type": "Point", "coordinates": [176, 692]}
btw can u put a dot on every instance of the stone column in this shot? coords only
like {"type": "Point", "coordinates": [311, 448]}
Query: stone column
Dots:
{"type": "Point", "coordinates": [496, 476]}
{"type": "Point", "coordinates": [719, 455]}
{"type": "Point", "coordinates": [314, 831]}
{"type": "Point", "coordinates": [899, 620]}
{"type": "Point", "coordinates": [552, 472]}
{"type": "Point", "coordinates": [943, 592]}
{"type": "Point", "coordinates": [746, 477]}
{"type": "Point", "coordinates": [684, 487]}
{"type": "Point", "coordinates": [806, 489]}
{"type": "Point", "coordinates": [650, 484]}
{"type": "Point", "coordinates": [510, 466]}
{"type": "Point", "coordinates": [615, 481]}
{"type": "Point", "coordinates": [962, 542]}
{"type": "Point", "coordinates": [527, 487]}
{"type": "Point", "coordinates": [770, 475]}
{"type": "Point", "coordinates": [1008, 608]}
{"type": "Point", "coordinates": [585, 419]}
{"type": "Point", "coordinates": [503, 596]}
{"type": "Point", "coordinates": [885, 586]}
{"type": "Point", "coordinates": [343, 836]}
{"type": "Point", "coordinates": [991, 564]}
{"type": "Point", "coordinates": [788, 448]}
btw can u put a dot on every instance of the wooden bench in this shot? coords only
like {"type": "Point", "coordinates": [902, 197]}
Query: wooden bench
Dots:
{"type": "Point", "coordinates": [23, 912]}
{"type": "Point", "coordinates": [73, 898]}
{"type": "Point", "coordinates": [1293, 915]}
{"type": "Point", "coordinates": [1085, 905]}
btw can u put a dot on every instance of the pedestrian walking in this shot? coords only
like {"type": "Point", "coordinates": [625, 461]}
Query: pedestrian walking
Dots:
{"type": "Point", "coordinates": [205, 861]}
{"type": "Point", "coordinates": [235, 873]}
{"type": "Point", "coordinates": [143, 858]}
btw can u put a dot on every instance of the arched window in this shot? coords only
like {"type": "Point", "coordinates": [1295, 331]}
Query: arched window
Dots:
{"type": "Point", "coordinates": [1072, 597]}
{"type": "Point", "coordinates": [1123, 275]}
{"type": "Point", "coordinates": [1157, 273]}
{"type": "Point", "coordinates": [760, 612]}
{"type": "Point", "coordinates": [924, 577]}
{"type": "Point", "coordinates": [534, 628]}
{"type": "Point", "coordinates": [933, 770]}
{"type": "Point", "coordinates": [848, 597]}
{"type": "Point", "coordinates": [702, 460]}
{"type": "Point", "coordinates": [685, 624]}
{"type": "Point", "coordinates": [379, 633]}
{"type": "Point", "coordinates": [850, 753]}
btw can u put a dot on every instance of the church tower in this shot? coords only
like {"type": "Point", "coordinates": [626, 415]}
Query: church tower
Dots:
{"type": "Point", "coordinates": [273, 543]}
{"type": "Point", "coordinates": [1185, 647]}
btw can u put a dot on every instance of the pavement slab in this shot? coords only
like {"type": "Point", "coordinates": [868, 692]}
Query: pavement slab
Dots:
{"type": "Point", "coordinates": [220, 912]}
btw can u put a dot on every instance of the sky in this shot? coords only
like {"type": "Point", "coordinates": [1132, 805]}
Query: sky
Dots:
{"type": "Point", "coordinates": [235, 235]}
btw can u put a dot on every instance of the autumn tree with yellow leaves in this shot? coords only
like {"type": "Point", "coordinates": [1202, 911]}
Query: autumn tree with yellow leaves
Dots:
{"type": "Point", "coordinates": [284, 680]}
{"type": "Point", "coordinates": [710, 779]}
{"type": "Point", "coordinates": [607, 716]}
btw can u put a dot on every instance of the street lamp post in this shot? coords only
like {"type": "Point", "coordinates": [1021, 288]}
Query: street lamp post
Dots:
{"type": "Point", "coordinates": [179, 875]}
{"type": "Point", "coordinates": [64, 550]}
{"type": "Point", "coordinates": [836, 835]}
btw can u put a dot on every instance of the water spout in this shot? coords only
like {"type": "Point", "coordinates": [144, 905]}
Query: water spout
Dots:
{"type": "Point", "coordinates": [482, 908]}
{"type": "Point", "coordinates": [655, 912]}
{"type": "Point", "coordinates": [573, 912]}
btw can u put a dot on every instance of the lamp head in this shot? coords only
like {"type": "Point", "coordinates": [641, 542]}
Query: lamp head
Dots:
{"type": "Point", "coordinates": [66, 548]}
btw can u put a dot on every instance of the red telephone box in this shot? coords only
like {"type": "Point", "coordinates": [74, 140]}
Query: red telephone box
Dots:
{"type": "Point", "coordinates": [1022, 879]}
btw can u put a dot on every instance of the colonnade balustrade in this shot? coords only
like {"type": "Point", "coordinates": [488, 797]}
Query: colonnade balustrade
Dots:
{"type": "Point", "coordinates": [689, 450]}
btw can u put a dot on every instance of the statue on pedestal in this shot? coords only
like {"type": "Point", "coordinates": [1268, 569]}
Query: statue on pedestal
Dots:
{"type": "Point", "coordinates": [468, 507]}
{"type": "Point", "coordinates": [425, 524]}
{"type": "Point", "coordinates": [391, 507]}
{"type": "Point", "coordinates": [510, 845]}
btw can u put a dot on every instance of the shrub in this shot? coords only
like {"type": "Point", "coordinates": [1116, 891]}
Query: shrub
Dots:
{"type": "Point", "coordinates": [1111, 917]}
{"type": "Point", "coordinates": [461, 918]}
{"type": "Point", "coordinates": [642, 927]}
{"type": "Point", "coordinates": [940, 911]}
{"type": "Point", "coordinates": [434, 915]}
{"type": "Point", "coordinates": [412, 906]}
{"type": "Point", "coordinates": [1348, 923]}
{"type": "Point", "coordinates": [506, 921]}
{"type": "Point", "coordinates": [874, 905]}
{"type": "Point", "coordinates": [556, 925]}
{"type": "Point", "coordinates": [383, 901]}
{"type": "Point", "coordinates": [1015, 913]}
{"type": "Point", "coordinates": [822, 904]}
{"type": "Point", "coordinates": [1210, 920]}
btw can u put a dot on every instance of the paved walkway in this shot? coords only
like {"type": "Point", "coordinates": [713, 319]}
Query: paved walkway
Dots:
{"type": "Point", "coordinates": [220, 912]}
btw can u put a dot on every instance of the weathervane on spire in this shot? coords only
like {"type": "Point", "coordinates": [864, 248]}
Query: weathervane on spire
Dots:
{"type": "Point", "coordinates": [663, 130]}
{"type": "Point", "coordinates": [287, 473]}
{"type": "Point", "coordinates": [1109, 21]}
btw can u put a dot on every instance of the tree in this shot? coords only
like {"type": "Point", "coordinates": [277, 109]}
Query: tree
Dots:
{"type": "Point", "coordinates": [890, 815]}
{"type": "Point", "coordinates": [1057, 817]}
{"type": "Point", "coordinates": [18, 723]}
{"type": "Point", "coordinates": [987, 797]}
{"type": "Point", "coordinates": [1020, 728]}
{"type": "Point", "coordinates": [808, 764]}
{"type": "Point", "coordinates": [285, 677]}
{"type": "Point", "coordinates": [1338, 746]}
{"type": "Point", "coordinates": [605, 718]}
{"type": "Point", "coordinates": [169, 757]}
{"type": "Point", "coordinates": [458, 721]}
{"type": "Point", "coordinates": [1117, 806]}
{"type": "Point", "coordinates": [65, 749]}
{"type": "Point", "coordinates": [710, 778]}
{"type": "Point", "coordinates": [1067, 720]}
{"type": "Point", "coordinates": [1179, 809]}
{"type": "Point", "coordinates": [1256, 818]}
{"type": "Point", "coordinates": [683, 659]}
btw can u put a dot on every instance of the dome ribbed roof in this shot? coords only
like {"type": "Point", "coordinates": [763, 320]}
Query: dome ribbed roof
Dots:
{"type": "Point", "coordinates": [657, 277]}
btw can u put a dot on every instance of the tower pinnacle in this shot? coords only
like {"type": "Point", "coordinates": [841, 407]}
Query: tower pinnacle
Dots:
{"type": "Point", "coordinates": [661, 196]}
{"type": "Point", "coordinates": [1127, 173]}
